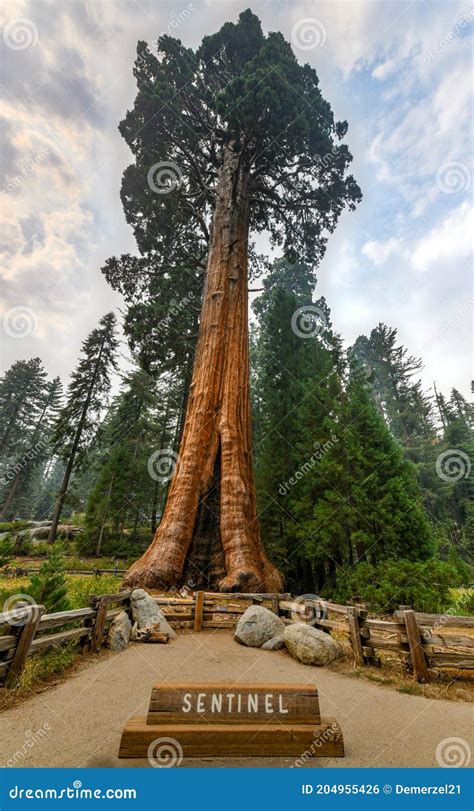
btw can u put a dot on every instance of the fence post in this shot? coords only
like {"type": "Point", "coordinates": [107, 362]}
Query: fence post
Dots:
{"type": "Point", "coordinates": [198, 610]}
{"type": "Point", "coordinates": [309, 612]}
{"type": "Point", "coordinates": [354, 634]}
{"type": "Point", "coordinates": [420, 668]}
{"type": "Point", "coordinates": [100, 604]}
{"type": "Point", "coordinates": [25, 638]}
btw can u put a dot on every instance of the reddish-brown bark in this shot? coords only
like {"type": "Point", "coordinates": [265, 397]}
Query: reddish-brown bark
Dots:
{"type": "Point", "coordinates": [209, 531]}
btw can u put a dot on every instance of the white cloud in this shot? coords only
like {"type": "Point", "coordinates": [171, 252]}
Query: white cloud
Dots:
{"type": "Point", "coordinates": [451, 240]}
{"type": "Point", "coordinates": [379, 252]}
{"type": "Point", "coordinates": [386, 69]}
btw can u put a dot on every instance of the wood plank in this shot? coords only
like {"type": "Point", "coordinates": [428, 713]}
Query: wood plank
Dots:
{"type": "Point", "coordinates": [63, 617]}
{"type": "Point", "coordinates": [219, 609]}
{"type": "Point", "coordinates": [25, 638]}
{"type": "Point", "coordinates": [438, 620]}
{"type": "Point", "coordinates": [228, 740]}
{"type": "Point", "coordinates": [384, 644]}
{"type": "Point", "coordinates": [15, 616]}
{"type": "Point", "coordinates": [221, 703]}
{"type": "Point", "coordinates": [52, 640]}
{"type": "Point", "coordinates": [460, 659]}
{"type": "Point", "coordinates": [385, 625]}
{"type": "Point", "coordinates": [420, 668]}
{"type": "Point", "coordinates": [7, 642]}
{"type": "Point", "coordinates": [448, 641]}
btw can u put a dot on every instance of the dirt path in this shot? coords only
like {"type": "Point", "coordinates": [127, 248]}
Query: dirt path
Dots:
{"type": "Point", "coordinates": [83, 717]}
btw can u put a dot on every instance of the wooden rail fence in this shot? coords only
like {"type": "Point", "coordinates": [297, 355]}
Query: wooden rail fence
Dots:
{"type": "Point", "coordinates": [418, 639]}
{"type": "Point", "coordinates": [21, 571]}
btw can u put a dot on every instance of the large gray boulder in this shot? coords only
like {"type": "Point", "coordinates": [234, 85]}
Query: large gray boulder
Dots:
{"type": "Point", "coordinates": [119, 632]}
{"type": "Point", "coordinates": [310, 645]}
{"type": "Point", "coordinates": [145, 612]}
{"type": "Point", "coordinates": [257, 625]}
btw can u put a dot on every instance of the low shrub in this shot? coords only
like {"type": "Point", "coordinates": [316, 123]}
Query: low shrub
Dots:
{"type": "Point", "coordinates": [424, 585]}
{"type": "Point", "coordinates": [49, 587]}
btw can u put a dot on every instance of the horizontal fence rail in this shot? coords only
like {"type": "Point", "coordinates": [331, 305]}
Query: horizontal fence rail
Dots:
{"type": "Point", "coordinates": [419, 640]}
{"type": "Point", "coordinates": [20, 571]}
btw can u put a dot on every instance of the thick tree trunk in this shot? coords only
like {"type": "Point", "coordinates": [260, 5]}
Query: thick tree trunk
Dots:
{"type": "Point", "coordinates": [209, 531]}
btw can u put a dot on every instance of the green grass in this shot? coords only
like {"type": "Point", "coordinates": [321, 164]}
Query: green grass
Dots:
{"type": "Point", "coordinates": [412, 689]}
{"type": "Point", "coordinates": [79, 587]}
{"type": "Point", "coordinates": [43, 666]}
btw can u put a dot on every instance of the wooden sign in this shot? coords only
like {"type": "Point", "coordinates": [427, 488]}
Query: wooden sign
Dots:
{"type": "Point", "coordinates": [233, 704]}
{"type": "Point", "coordinates": [234, 720]}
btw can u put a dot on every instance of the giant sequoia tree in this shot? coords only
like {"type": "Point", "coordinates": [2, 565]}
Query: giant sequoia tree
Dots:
{"type": "Point", "coordinates": [248, 144]}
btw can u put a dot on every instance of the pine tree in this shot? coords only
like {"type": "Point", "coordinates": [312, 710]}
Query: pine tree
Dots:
{"type": "Point", "coordinates": [455, 476]}
{"type": "Point", "coordinates": [21, 394]}
{"type": "Point", "coordinates": [123, 491]}
{"type": "Point", "coordinates": [405, 408]}
{"type": "Point", "coordinates": [33, 449]}
{"type": "Point", "coordinates": [87, 394]}
{"type": "Point", "coordinates": [48, 587]}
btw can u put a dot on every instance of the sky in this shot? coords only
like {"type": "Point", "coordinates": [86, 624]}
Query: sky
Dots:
{"type": "Point", "coordinates": [399, 72]}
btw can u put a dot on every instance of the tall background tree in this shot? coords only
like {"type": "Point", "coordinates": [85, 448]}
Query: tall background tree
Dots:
{"type": "Point", "coordinates": [241, 126]}
{"type": "Point", "coordinates": [29, 404]}
{"type": "Point", "coordinates": [87, 394]}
